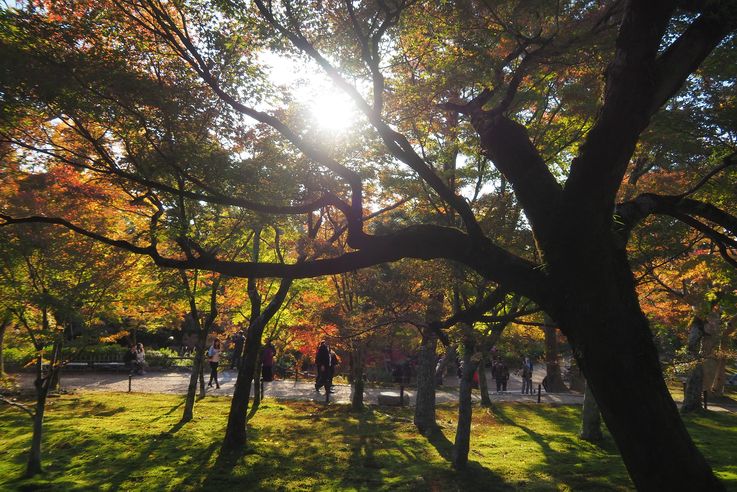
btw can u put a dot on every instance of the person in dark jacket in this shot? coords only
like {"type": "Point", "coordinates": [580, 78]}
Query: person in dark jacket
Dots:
{"type": "Point", "coordinates": [267, 362]}
{"type": "Point", "coordinates": [238, 341]}
{"type": "Point", "coordinates": [322, 361]}
{"type": "Point", "coordinates": [502, 376]}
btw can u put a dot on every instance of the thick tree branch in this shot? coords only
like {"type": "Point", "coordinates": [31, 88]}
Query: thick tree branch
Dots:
{"type": "Point", "coordinates": [638, 83]}
{"type": "Point", "coordinates": [425, 242]}
{"type": "Point", "coordinates": [508, 145]}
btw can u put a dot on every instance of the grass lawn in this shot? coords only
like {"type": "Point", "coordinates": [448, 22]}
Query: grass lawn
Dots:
{"type": "Point", "coordinates": [118, 441]}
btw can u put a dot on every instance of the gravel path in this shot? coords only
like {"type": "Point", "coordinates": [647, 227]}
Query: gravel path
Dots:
{"type": "Point", "coordinates": [177, 382]}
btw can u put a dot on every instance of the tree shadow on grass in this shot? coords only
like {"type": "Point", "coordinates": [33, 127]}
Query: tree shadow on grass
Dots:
{"type": "Point", "coordinates": [119, 460]}
{"type": "Point", "coordinates": [378, 444]}
{"type": "Point", "coordinates": [592, 460]}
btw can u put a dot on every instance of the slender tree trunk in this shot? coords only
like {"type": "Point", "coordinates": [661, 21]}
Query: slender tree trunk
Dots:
{"type": "Point", "coordinates": [709, 348]}
{"type": "Point", "coordinates": [590, 418]}
{"type": "Point", "coordinates": [42, 384]}
{"type": "Point", "coordinates": [465, 410]}
{"type": "Point", "coordinates": [424, 417]}
{"type": "Point", "coordinates": [695, 382]}
{"type": "Point", "coordinates": [3, 327]}
{"type": "Point", "coordinates": [554, 379]}
{"type": "Point", "coordinates": [483, 384]}
{"type": "Point", "coordinates": [203, 388]}
{"type": "Point", "coordinates": [357, 377]}
{"type": "Point", "coordinates": [197, 361]}
{"type": "Point", "coordinates": [614, 346]}
{"type": "Point", "coordinates": [33, 466]}
{"type": "Point", "coordinates": [720, 378]}
{"type": "Point", "coordinates": [235, 431]}
{"type": "Point", "coordinates": [257, 380]}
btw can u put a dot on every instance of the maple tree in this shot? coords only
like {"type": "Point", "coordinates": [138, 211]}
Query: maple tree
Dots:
{"type": "Point", "coordinates": [554, 96]}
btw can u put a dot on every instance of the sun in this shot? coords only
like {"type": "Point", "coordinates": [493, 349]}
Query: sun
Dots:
{"type": "Point", "coordinates": [333, 111]}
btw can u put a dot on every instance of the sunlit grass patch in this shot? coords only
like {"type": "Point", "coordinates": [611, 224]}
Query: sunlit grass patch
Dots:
{"type": "Point", "coordinates": [135, 442]}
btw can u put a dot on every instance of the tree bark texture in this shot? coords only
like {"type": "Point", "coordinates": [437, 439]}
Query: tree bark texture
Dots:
{"type": "Point", "coordinates": [590, 418]}
{"type": "Point", "coordinates": [709, 348]}
{"type": "Point", "coordinates": [33, 466]}
{"type": "Point", "coordinates": [203, 387]}
{"type": "Point", "coordinates": [194, 375]}
{"type": "Point", "coordinates": [424, 418]}
{"type": "Point", "coordinates": [695, 382]}
{"type": "Point", "coordinates": [465, 410]}
{"type": "Point", "coordinates": [235, 431]}
{"type": "Point", "coordinates": [720, 379]}
{"type": "Point", "coordinates": [614, 346]}
{"type": "Point", "coordinates": [357, 377]}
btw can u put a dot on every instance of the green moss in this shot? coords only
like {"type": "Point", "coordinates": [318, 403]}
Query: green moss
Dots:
{"type": "Point", "coordinates": [135, 442]}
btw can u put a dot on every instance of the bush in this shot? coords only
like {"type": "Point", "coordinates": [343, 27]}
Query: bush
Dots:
{"type": "Point", "coordinates": [18, 357]}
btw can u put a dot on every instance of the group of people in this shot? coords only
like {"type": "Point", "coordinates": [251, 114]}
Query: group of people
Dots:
{"type": "Point", "coordinates": [135, 358]}
{"type": "Point", "coordinates": [500, 373]}
{"type": "Point", "coordinates": [326, 361]}
{"type": "Point", "coordinates": [238, 340]}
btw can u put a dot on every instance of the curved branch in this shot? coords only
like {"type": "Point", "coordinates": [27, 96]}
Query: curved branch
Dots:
{"type": "Point", "coordinates": [20, 406]}
{"type": "Point", "coordinates": [424, 242]}
{"type": "Point", "coordinates": [728, 161]}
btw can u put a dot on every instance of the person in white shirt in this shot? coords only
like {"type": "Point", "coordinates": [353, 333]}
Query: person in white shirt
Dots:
{"type": "Point", "coordinates": [213, 356]}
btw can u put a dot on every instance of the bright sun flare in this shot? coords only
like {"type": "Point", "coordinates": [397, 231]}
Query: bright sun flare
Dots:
{"type": "Point", "coordinates": [333, 111]}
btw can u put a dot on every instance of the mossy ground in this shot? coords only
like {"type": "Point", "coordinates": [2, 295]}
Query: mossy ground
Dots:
{"type": "Point", "coordinates": [109, 441]}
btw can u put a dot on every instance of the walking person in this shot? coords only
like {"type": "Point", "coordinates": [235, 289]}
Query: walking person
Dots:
{"type": "Point", "coordinates": [527, 376]}
{"type": "Point", "coordinates": [267, 362]}
{"type": "Point", "coordinates": [334, 362]}
{"type": "Point", "coordinates": [322, 361]}
{"type": "Point", "coordinates": [213, 356]}
{"type": "Point", "coordinates": [140, 359]}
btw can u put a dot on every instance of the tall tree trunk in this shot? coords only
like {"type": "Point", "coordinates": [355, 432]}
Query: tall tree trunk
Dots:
{"type": "Point", "coordinates": [424, 418]}
{"type": "Point", "coordinates": [554, 379]}
{"type": "Point", "coordinates": [720, 378]}
{"type": "Point", "coordinates": [709, 348]}
{"type": "Point", "coordinates": [33, 466]}
{"type": "Point", "coordinates": [356, 362]}
{"type": "Point", "coordinates": [590, 418]}
{"type": "Point", "coordinates": [614, 347]}
{"type": "Point", "coordinates": [465, 409]}
{"type": "Point", "coordinates": [42, 384]}
{"type": "Point", "coordinates": [695, 382]}
{"type": "Point", "coordinates": [483, 383]}
{"type": "Point", "coordinates": [235, 431]}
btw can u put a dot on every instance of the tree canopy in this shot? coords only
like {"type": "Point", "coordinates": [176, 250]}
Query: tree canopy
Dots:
{"type": "Point", "coordinates": [526, 141]}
